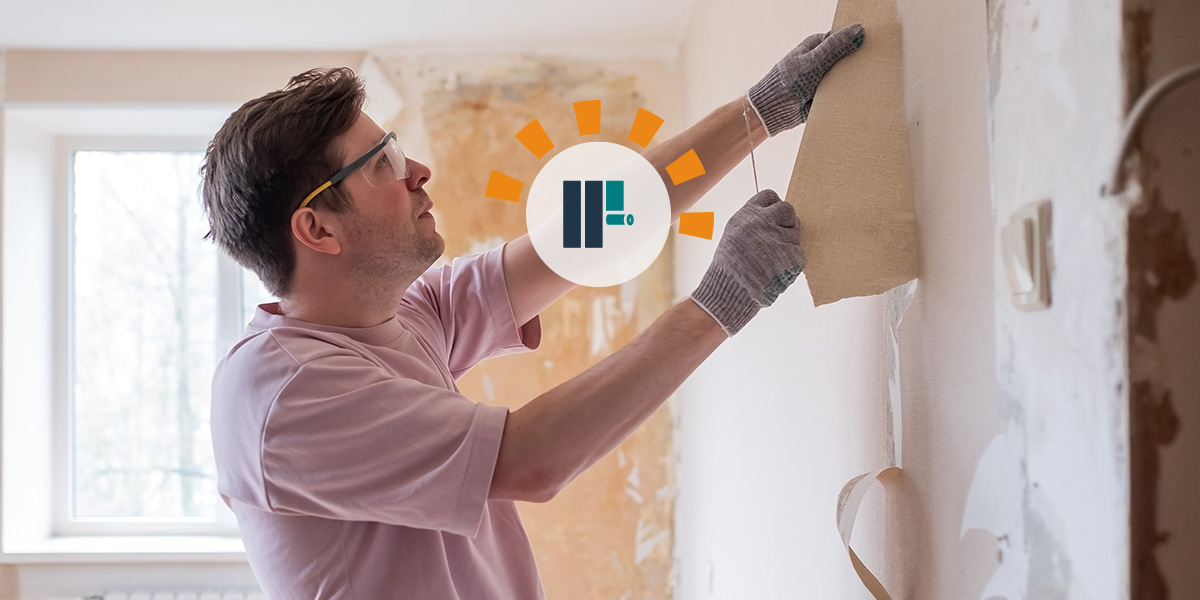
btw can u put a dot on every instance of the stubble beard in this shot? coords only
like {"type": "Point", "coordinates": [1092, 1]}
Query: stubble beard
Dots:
{"type": "Point", "coordinates": [384, 274]}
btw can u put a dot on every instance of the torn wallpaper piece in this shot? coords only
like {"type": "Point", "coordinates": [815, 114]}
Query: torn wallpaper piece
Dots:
{"type": "Point", "coordinates": [852, 184]}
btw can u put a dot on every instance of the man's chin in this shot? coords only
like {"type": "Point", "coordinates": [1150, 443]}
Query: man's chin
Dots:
{"type": "Point", "coordinates": [437, 247]}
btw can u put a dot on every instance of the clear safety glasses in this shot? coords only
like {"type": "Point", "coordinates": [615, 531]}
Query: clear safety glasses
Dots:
{"type": "Point", "coordinates": [383, 164]}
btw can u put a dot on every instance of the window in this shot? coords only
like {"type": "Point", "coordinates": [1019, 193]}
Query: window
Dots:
{"type": "Point", "coordinates": [106, 368]}
{"type": "Point", "coordinates": [151, 307]}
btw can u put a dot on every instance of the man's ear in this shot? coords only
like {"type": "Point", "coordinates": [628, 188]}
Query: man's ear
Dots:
{"type": "Point", "coordinates": [319, 231]}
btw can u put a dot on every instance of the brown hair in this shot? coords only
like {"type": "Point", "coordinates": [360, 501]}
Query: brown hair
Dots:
{"type": "Point", "coordinates": [270, 154]}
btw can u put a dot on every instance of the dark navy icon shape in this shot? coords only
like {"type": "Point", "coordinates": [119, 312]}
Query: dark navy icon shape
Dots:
{"type": "Point", "coordinates": [584, 217]}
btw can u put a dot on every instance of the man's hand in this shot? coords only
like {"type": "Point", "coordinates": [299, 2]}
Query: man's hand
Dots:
{"type": "Point", "coordinates": [783, 97]}
{"type": "Point", "coordinates": [758, 257]}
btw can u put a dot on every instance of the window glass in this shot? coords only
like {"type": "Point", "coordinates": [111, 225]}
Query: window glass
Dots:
{"type": "Point", "coordinates": [143, 304]}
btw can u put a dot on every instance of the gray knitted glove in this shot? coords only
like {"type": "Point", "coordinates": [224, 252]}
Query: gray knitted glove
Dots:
{"type": "Point", "coordinates": [783, 97]}
{"type": "Point", "coordinates": [758, 257]}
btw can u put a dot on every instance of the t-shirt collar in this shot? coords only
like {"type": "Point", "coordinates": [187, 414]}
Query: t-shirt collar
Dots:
{"type": "Point", "coordinates": [267, 317]}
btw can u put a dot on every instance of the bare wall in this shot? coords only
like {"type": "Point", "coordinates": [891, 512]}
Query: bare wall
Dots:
{"type": "Point", "coordinates": [784, 413]}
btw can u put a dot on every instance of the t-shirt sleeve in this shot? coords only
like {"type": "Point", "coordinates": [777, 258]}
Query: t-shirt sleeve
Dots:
{"type": "Point", "coordinates": [348, 439]}
{"type": "Point", "coordinates": [465, 312]}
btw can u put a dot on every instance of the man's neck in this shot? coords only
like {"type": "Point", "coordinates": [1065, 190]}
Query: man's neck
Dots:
{"type": "Point", "coordinates": [322, 315]}
{"type": "Point", "coordinates": [344, 305]}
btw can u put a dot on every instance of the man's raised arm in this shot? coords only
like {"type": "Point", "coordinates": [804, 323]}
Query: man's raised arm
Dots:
{"type": "Point", "coordinates": [559, 434]}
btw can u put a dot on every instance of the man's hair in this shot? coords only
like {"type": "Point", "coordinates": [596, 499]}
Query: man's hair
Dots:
{"type": "Point", "coordinates": [269, 155]}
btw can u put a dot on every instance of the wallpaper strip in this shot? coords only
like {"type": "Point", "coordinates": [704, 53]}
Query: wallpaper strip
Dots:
{"type": "Point", "coordinates": [852, 184]}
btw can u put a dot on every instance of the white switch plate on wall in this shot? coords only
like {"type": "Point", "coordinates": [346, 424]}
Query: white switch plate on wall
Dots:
{"type": "Point", "coordinates": [1024, 245]}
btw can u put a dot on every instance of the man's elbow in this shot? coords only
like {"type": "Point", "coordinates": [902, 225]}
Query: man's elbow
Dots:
{"type": "Point", "coordinates": [525, 484]}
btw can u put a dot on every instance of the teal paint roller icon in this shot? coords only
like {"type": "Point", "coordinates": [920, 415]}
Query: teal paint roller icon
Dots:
{"type": "Point", "coordinates": [614, 204]}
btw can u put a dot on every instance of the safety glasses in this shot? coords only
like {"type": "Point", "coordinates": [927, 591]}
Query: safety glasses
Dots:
{"type": "Point", "coordinates": [383, 164]}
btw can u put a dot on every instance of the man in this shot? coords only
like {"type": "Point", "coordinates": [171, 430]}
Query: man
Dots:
{"type": "Point", "coordinates": [355, 467]}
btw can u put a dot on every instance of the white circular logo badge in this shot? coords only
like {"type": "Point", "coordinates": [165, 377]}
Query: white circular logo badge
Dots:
{"type": "Point", "coordinates": [598, 214]}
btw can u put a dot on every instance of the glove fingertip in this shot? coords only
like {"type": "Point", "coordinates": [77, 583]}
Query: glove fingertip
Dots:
{"type": "Point", "coordinates": [782, 214]}
{"type": "Point", "coordinates": [852, 36]}
{"type": "Point", "coordinates": [851, 31]}
{"type": "Point", "coordinates": [765, 198]}
{"type": "Point", "coordinates": [787, 219]}
{"type": "Point", "coordinates": [842, 43]}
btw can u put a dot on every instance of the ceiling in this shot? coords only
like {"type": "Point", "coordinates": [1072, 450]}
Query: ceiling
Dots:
{"type": "Point", "coordinates": [629, 26]}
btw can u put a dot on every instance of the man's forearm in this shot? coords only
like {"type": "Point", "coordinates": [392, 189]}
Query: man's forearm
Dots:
{"type": "Point", "coordinates": [721, 142]}
{"type": "Point", "coordinates": [562, 432]}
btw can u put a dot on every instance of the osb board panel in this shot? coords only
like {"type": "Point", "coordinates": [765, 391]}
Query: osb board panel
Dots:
{"type": "Point", "coordinates": [609, 534]}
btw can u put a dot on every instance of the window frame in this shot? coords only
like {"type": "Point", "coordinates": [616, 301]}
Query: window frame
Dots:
{"type": "Point", "coordinates": [229, 325]}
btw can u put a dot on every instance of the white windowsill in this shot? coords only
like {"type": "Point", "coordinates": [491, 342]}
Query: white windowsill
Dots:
{"type": "Point", "coordinates": [127, 549]}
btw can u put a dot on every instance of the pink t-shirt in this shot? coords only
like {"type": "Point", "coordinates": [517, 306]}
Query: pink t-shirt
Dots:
{"type": "Point", "coordinates": [355, 467]}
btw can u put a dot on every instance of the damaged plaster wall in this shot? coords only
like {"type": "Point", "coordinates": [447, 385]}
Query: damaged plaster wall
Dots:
{"type": "Point", "coordinates": [1057, 99]}
{"type": "Point", "coordinates": [610, 533]}
{"type": "Point", "coordinates": [1164, 306]}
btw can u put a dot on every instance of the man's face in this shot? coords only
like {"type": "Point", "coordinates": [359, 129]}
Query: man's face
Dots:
{"type": "Point", "coordinates": [389, 231]}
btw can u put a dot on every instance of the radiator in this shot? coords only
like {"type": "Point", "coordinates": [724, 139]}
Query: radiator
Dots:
{"type": "Point", "coordinates": [215, 594]}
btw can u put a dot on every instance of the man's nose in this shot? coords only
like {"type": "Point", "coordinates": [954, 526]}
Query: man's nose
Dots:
{"type": "Point", "coordinates": [418, 174]}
